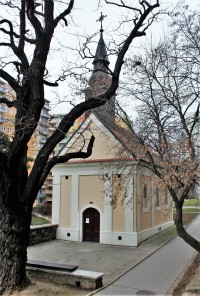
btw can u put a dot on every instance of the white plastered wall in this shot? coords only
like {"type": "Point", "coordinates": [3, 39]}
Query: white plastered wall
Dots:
{"type": "Point", "coordinates": [107, 236]}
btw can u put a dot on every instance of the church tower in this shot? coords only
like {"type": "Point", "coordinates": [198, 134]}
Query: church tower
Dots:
{"type": "Point", "coordinates": [100, 81]}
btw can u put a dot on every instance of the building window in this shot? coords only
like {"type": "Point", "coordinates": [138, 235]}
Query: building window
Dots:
{"type": "Point", "coordinates": [9, 129]}
{"type": "Point", "coordinates": [166, 198]}
{"type": "Point", "coordinates": [145, 198]}
{"type": "Point", "coordinates": [11, 111]}
{"type": "Point", "coordinates": [157, 199]}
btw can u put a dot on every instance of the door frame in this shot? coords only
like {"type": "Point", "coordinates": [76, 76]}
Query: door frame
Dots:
{"type": "Point", "coordinates": [81, 220]}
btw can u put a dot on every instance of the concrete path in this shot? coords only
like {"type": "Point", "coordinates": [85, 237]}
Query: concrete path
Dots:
{"type": "Point", "coordinates": [111, 260]}
{"type": "Point", "coordinates": [157, 273]}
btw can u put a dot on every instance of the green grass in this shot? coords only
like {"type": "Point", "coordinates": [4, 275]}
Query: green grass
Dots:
{"type": "Point", "coordinates": [188, 216]}
{"type": "Point", "coordinates": [38, 221]}
{"type": "Point", "coordinates": [192, 202]}
{"type": "Point", "coordinates": [191, 210]}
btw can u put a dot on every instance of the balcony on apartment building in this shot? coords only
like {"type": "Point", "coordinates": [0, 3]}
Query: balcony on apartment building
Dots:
{"type": "Point", "coordinates": [49, 192]}
{"type": "Point", "coordinates": [45, 114]}
{"type": "Point", "coordinates": [2, 109]}
{"type": "Point", "coordinates": [42, 140]}
{"type": "Point", "coordinates": [46, 105]}
{"type": "Point", "coordinates": [41, 197]}
{"type": "Point", "coordinates": [48, 181]}
{"type": "Point", "coordinates": [2, 119]}
{"type": "Point", "coordinates": [44, 132]}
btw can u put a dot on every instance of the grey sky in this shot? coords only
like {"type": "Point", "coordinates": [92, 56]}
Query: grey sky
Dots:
{"type": "Point", "coordinates": [84, 17]}
{"type": "Point", "coordinates": [84, 22]}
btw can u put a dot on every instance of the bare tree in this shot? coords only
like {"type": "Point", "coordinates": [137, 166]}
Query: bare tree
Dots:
{"type": "Point", "coordinates": [166, 83]}
{"type": "Point", "coordinates": [18, 191]}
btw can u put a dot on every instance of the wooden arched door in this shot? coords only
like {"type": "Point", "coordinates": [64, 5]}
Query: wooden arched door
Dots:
{"type": "Point", "coordinates": [91, 225]}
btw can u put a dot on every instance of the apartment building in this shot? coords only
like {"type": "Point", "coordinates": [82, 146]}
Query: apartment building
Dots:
{"type": "Point", "coordinates": [46, 192]}
{"type": "Point", "coordinates": [41, 133]}
{"type": "Point", "coordinates": [56, 118]}
{"type": "Point", "coordinates": [7, 115]}
{"type": "Point", "coordinates": [46, 126]}
{"type": "Point", "coordinates": [7, 120]}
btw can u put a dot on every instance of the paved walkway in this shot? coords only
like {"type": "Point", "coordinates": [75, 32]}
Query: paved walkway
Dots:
{"type": "Point", "coordinates": [157, 273]}
{"type": "Point", "coordinates": [112, 260]}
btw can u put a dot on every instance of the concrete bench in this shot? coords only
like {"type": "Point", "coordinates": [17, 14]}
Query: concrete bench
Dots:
{"type": "Point", "coordinates": [58, 274]}
{"type": "Point", "coordinates": [87, 279]}
{"type": "Point", "coordinates": [51, 265]}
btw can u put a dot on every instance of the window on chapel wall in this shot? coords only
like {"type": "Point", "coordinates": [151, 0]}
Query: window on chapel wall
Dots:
{"type": "Point", "coordinates": [166, 198]}
{"type": "Point", "coordinates": [157, 198]}
{"type": "Point", "coordinates": [145, 197]}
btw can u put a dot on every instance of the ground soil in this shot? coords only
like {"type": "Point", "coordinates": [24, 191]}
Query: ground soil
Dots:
{"type": "Point", "coordinates": [187, 277]}
{"type": "Point", "coordinates": [42, 288]}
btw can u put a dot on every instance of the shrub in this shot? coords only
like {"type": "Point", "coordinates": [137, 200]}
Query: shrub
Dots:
{"type": "Point", "coordinates": [44, 209]}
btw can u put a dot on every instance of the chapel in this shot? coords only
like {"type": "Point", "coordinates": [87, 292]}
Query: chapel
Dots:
{"type": "Point", "coordinates": [112, 197]}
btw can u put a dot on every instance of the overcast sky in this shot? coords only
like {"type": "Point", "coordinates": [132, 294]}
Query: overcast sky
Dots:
{"type": "Point", "coordinates": [84, 22]}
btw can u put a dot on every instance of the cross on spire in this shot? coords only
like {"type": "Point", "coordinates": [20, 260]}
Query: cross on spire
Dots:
{"type": "Point", "coordinates": [101, 20]}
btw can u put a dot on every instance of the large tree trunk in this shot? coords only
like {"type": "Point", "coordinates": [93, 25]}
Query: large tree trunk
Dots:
{"type": "Point", "coordinates": [181, 230]}
{"type": "Point", "coordinates": [14, 236]}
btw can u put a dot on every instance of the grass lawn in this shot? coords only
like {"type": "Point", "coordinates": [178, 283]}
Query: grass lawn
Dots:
{"type": "Point", "coordinates": [188, 217]}
{"type": "Point", "coordinates": [192, 202]}
{"type": "Point", "coordinates": [38, 221]}
{"type": "Point", "coordinates": [191, 210]}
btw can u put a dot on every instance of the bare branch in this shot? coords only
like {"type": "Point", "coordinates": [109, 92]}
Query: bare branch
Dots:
{"type": "Point", "coordinates": [7, 102]}
{"type": "Point", "coordinates": [123, 5]}
{"type": "Point", "coordinates": [64, 158]}
{"type": "Point", "coordinates": [64, 13]}
{"type": "Point", "coordinates": [53, 84]}
{"type": "Point", "coordinates": [31, 41]}
{"type": "Point", "coordinates": [32, 18]}
{"type": "Point", "coordinates": [11, 81]}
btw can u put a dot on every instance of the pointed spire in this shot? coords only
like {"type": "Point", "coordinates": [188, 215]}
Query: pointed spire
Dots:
{"type": "Point", "coordinates": [101, 52]}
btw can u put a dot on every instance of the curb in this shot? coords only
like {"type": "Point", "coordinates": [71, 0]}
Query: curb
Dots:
{"type": "Point", "coordinates": [123, 273]}
{"type": "Point", "coordinates": [166, 242]}
{"type": "Point", "coordinates": [181, 275]}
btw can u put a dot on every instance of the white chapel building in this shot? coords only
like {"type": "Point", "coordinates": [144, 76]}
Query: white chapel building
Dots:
{"type": "Point", "coordinates": [110, 197]}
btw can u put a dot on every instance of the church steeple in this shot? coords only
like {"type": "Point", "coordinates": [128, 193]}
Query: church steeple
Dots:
{"type": "Point", "coordinates": [100, 82]}
{"type": "Point", "coordinates": [101, 58]}
{"type": "Point", "coordinates": [101, 52]}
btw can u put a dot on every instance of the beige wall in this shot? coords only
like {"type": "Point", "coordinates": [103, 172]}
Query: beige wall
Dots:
{"type": "Point", "coordinates": [163, 214]}
{"type": "Point", "coordinates": [65, 201]}
{"type": "Point", "coordinates": [118, 195]}
{"type": "Point", "coordinates": [103, 148]}
{"type": "Point", "coordinates": [145, 216]}
{"type": "Point", "coordinates": [91, 190]}
{"type": "Point", "coordinates": [135, 202]}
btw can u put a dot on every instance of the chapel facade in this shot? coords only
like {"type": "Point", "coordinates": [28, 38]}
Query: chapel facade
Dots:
{"type": "Point", "coordinates": [110, 197]}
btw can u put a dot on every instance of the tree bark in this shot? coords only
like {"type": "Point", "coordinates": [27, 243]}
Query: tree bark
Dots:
{"type": "Point", "coordinates": [14, 239]}
{"type": "Point", "coordinates": [182, 232]}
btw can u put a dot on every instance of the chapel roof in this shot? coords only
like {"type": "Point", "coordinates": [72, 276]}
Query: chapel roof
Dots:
{"type": "Point", "coordinates": [127, 138]}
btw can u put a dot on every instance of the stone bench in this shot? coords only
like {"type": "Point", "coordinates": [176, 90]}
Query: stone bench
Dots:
{"type": "Point", "coordinates": [51, 265]}
{"type": "Point", "coordinates": [58, 274]}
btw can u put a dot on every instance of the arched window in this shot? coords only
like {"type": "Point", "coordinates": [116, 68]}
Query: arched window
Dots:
{"type": "Point", "coordinates": [157, 198]}
{"type": "Point", "coordinates": [145, 196]}
{"type": "Point", "coordinates": [166, 198]}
